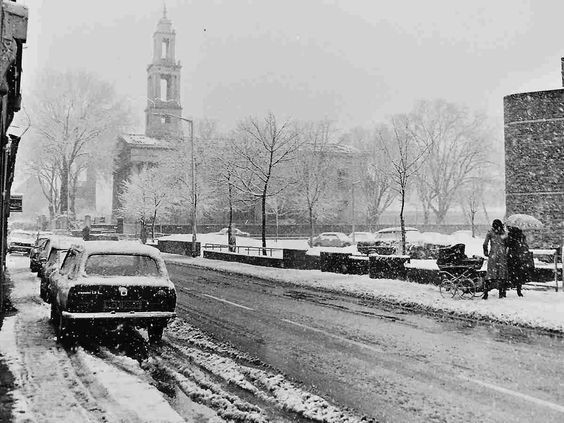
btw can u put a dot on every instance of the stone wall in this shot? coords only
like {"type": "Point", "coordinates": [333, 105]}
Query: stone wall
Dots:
{"type": "Point", "coordinates": [534, 161]}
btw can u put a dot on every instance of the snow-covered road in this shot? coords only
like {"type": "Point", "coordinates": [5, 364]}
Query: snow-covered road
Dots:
{"type": "Point", "coordinates": [121, 379]}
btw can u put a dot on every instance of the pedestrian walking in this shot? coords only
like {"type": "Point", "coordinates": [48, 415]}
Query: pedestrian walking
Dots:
{"type": "Point", "coordinates": [496, 250]}
{"type": "Point", "coordinates": [519, 259]}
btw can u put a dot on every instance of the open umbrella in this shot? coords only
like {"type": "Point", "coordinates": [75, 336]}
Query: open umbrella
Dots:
{"type": "Point", "coordinates": [523, 221]}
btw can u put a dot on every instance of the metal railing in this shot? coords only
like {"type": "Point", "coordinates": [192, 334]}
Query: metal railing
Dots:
{"type": "Point", "coordinates": [245, 248]}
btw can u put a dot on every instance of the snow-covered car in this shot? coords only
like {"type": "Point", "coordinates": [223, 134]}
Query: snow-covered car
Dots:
{"type": "Point", "coordinates": [387, 240]}
{"type": "Point", "coordinates": [57, 248]}
{"type": "Point", "coordinates": [331, 239]}
{"type": "Point", "coordinates": [236, 232]}
{"type": "Point", "coordinates": [35, 252]}
{"type": "Point", "coordinates": [394, 234]}
{"type": "Point", "coordinates": [362, 237]}
{"type": "Point", "coordinates": [111, 283]}
{"type": "Point", "coordinates": [20, 241]}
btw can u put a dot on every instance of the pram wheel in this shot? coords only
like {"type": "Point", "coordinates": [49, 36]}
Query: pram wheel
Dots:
{"type": "Point", "coordinates": [466, 289]}
{"type": "Point", "coordinates": [447, 288]}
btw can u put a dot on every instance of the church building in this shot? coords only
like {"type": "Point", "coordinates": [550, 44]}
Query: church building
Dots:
{"type": "Point", "coordinates": [162, 114]}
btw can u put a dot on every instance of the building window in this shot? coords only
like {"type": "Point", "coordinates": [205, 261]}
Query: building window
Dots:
{"type": "Point", "coordinates": [164, 89]}
{"type": "Point", "coordinates": [164, 49]}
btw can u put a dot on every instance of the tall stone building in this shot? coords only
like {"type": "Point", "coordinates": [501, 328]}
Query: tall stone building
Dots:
{"type": "Point", "coordinates": [534, 160]}
{"type": "Point", "coordinates": [136, 151]}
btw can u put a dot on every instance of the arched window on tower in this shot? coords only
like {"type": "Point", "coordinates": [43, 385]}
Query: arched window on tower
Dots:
{"type": "Point", "coordinates": [164, 88]}
{"type": "Point", "coordinates": [164, 48]}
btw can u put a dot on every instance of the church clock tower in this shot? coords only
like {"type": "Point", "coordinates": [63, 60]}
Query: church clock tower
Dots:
{"type": "Point", "coordinates": [163, 85]}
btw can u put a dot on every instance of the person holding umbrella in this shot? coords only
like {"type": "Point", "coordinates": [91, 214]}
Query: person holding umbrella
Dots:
{"type": "Point", "coordinates": [519, 258]}
{"type": "Point", "coordinates": [496, 251]}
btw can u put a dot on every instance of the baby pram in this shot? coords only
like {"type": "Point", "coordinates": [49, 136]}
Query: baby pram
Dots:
{"type": "Point", "coordinates": [460, 275]}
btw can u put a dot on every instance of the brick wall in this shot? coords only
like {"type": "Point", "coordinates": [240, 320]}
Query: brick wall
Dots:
{"type": "Point", "coordinates": [534, 161]}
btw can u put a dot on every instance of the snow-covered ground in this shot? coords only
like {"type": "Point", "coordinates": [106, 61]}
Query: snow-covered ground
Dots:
{"type": "Point", "coordinates": [189, 378]}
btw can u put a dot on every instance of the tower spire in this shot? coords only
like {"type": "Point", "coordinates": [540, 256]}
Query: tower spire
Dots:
{"type": "Point", "coordinates": [164, 9]}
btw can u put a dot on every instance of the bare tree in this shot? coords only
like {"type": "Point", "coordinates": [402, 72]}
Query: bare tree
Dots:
{"type": "Point", "coordinates": [178, 162]}
{"type": "Point", "coordinates": [471, 199]}
{"type": "Point", "coordinates": [77, 116]}
{"type": "Point", "coordinates": [406, 156]}
{"type": "Point", "coordinates": [313, 168]}
{"type": "Point", "coordinates": [261, 148]}
{"type": "Point", "coordinates": [144, 195]}
{"type": "Point", "coordinates": [457, 140]}
{"type": "Point", "coordinates": [376, 179]}
{"type": "Point", "coordinates": [223, 182]}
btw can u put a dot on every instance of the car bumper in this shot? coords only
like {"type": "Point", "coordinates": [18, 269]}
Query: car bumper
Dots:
{"type": "Point", "coordinates": [19, 248]}
{"type": "Point", "coordinates": [120, 315]}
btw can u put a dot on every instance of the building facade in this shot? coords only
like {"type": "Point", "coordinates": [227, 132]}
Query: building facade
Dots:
{"type": "Point", "coordinates": [534, 161]}
{"type": "Point", "coordinates": [162, 123]}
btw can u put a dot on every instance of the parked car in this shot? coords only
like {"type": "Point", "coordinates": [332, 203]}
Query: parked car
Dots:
{"type": "Point", "coordinates": [362, 237]}
{"type": "Point", "coordinates": [236, 231]}
{"type": "Point", "coordinates": [387, 240]}
{"type": "Point", "coordinates": [20, 241]}
{"type": "Point", "coordinates": [330, 239]}
{"type": "Point", "coordinates": [34, 253]}
{"type": "Point", "coordinates": [111, 283]}
{"type": "Point", "coordinates": [394, 234]}
{"type": "Point", "coordinates": [43, 253]}
{"type": "Point", "coordinates": [58, 247]}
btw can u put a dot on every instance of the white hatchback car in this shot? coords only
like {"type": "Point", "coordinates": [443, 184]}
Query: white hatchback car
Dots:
{"type": "Point", "coordinates": [112, 283]}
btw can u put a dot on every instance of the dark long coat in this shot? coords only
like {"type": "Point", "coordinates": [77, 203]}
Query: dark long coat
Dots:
{"type": "Point", "coordinates": [519, 259]}
{"type": "Point", "coordinates": [497, 256]}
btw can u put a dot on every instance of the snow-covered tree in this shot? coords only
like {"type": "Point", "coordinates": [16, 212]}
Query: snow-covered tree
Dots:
{"type": "Point", "coordinates": [75, 117]}
{"type": "Point", "coordinates": [374, 172]}
{"type": "Point", "coordinates": [313, 169]}
{"type": "Point", "coordinates": [261, 148]}
{"type": "Point", "coordinates": [145, 194]}
{"type": "Point", "coordinates": [406, 155]}
{"type": "Point", "coordinates": [459, 144]}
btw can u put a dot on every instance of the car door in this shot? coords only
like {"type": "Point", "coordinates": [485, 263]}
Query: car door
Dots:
{"type": "Point", "coordinates": [59, 281]}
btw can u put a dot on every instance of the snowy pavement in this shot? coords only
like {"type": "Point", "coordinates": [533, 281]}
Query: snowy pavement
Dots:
{"type": "Point", "coordinates": [537, 309]}
{"type": "Point", "coordinates": [189, 378]}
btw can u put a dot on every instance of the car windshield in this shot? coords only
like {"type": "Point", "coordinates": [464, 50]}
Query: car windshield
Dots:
{"type": "Point", "coordinates": [22, 235]}
{"type": "Point", "coordinates": [121, 265]}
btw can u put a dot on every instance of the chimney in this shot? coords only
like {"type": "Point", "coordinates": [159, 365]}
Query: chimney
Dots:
{"type": "Point", "coordinates": [562, 69]}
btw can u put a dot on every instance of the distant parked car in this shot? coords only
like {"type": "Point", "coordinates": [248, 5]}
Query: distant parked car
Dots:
{"type": "Point", "coordinates": [34, 253]}
{"type": "Point", "coordinates": [58, 247]}
{"type": "Point", "coordinates": [394, 234]}
{"type": "Point", "coordinates": [331, 239]}
{"type": "Point", "coordinates": [387, 240]}
{"type": "Point", "coordinates": [362, 237]}
{"type": "Point", "coordinates": [236, 232]}
{"type": "Point", "coordinates": [20, 241]}
{"type": "Point", "coordinates": [111, 283]}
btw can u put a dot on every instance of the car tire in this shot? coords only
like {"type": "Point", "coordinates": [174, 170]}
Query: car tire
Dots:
{"type": "Point", "coordinates": [155, 331]}
{"type": "Point", "coordinates": [44, 293]}
{"type": "Point", "coordinates": [64, 329]}
{"type": "Point", "coordinates": [53, 316]}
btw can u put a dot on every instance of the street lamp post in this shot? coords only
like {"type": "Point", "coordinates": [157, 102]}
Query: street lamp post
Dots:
{"type": "Point", "coordinates": [193, 172]}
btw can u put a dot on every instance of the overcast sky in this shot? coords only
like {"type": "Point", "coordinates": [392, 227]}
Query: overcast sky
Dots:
{"type": "Point", "coordinates": [352, 61]}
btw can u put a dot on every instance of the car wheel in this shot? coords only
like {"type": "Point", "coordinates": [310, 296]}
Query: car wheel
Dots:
{"type": "Point", "coordinates": [155, 331]}
{"type": "Point", "coordinates": [65, 333]}
{"type": "Point", "coordinates": [53, 315]}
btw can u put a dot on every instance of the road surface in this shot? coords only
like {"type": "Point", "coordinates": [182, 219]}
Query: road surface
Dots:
{"type": "Point", "coordinates": [388, 364]}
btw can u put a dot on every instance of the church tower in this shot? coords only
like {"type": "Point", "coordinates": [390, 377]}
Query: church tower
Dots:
{"type": "Point", "coordinates": [163, 85]}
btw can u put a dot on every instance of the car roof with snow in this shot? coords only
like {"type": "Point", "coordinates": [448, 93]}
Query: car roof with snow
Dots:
{"type": "Point", "coordinates": [60, 242]}
{"type": "Point", "coordinates": [396, 229]}
{"type": "Point", "coordinates": [118, 247]}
